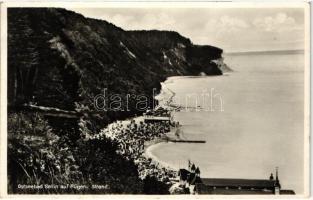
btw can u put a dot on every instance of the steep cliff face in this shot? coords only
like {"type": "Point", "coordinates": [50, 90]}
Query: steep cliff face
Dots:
{"type": "Point", "coordinates": [61, 59]}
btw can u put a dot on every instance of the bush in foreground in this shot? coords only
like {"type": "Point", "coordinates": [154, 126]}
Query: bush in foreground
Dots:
{"type": "Point", "coordinates": [36, 155]}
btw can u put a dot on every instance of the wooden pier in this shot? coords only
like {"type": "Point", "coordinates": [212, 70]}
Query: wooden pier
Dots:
{"type": "Point", "coordinates": [187, 141]}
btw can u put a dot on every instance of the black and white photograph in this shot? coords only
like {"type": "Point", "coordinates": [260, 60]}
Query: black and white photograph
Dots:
{"type": "Point", "coordinates": [155, 98]}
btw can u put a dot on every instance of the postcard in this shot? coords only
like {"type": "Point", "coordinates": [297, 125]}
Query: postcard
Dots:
{"type": "Point", "coordinates": [161, 99]}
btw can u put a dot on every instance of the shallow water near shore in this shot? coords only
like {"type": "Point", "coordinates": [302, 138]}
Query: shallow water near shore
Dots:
{"type": "Point", "coordinates": [259, 127]}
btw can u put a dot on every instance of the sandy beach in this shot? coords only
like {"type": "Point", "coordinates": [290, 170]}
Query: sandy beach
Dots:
{"type": "Point", "coordinates": [137, 140]}
{"type": "Point", "coordinates": [148, 154]}
{"type": "Point", "coordinates": [150, 146]}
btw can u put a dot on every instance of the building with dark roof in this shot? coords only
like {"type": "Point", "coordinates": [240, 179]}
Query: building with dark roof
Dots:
{"type": "Point", "coordinates": [191, 179]}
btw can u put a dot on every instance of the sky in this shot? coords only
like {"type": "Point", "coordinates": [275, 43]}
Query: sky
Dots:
{"type": "Point", "coordinates": [232, 29]}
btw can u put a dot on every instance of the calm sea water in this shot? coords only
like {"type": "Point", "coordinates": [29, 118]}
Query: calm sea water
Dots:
{"type": "Point", "coordinates": [260, 127]}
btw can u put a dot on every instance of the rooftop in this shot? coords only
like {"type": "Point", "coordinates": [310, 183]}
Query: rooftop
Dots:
{"type": "Point", "coordinates": [253, 183]}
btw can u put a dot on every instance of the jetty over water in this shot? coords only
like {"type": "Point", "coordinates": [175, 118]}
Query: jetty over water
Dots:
{"type": "Point", "coordinates": [164, 115]}
{"type": "Point", "coordinates": [186, 141]}
{"type": "Point", "coordinates": [158, 115]}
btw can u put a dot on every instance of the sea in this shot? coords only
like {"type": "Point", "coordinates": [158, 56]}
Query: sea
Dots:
{"type": "Point", "coordinates": [252, 120]}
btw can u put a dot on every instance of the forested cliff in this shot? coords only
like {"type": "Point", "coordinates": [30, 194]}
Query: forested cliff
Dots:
{"type": "Point", "coordinates": [60, 60]}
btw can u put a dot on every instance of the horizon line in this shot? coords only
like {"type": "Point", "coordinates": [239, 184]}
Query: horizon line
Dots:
{"type": "Point", "coordinates": [264, 51]}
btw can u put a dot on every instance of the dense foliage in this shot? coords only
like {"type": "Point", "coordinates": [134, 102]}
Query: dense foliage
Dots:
{"type": "Point", "coordinates": [37, 156]}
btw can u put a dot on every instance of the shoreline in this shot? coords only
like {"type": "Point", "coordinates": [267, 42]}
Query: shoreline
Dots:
{"type": "Point", "coordinates": [141, 150]}
{"type": "Point", "coordinates": [148, 154]}
{"type": "Point", "coordinates": [155, 143]}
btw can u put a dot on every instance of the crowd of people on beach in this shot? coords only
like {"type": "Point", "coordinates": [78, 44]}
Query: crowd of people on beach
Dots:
{"type": "Point", "coordinates": [132, 137]}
